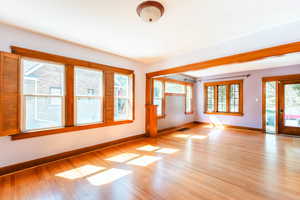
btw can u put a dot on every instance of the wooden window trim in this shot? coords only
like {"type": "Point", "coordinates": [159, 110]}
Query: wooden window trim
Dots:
{"type": "Point", "coordinates": [228, 84]}
{"type": "Point", "coordinates": [66, 60]}
{"type": "Point", "coordinates": [70, 64]}
{"type": "Point", "coordinates": [164, 80]}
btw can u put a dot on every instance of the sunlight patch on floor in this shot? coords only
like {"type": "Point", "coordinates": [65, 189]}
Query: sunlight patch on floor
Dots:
{"type": "Point", "coordinates": [144, 161]}
{"type": "Point", "coordinates": [167, 150]}
{"type": "Point", "coordinates": [182, 135]}
{"type": "Point", "coordinates": [108, 176]}
{"type": "Point", "coordinates": [148, 148]}
{"type": "Point", "coordinates": [124, 157]}
{"type": "Point", "coordinates": [80, 172]}
{"type": "Point", "coordinates": [198, 137]}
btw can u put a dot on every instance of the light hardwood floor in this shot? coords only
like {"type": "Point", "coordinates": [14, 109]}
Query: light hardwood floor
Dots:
{"type": "Point", "coordinates": [201, 163]}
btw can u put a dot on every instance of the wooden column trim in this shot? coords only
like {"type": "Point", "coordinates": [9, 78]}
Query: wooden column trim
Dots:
{"type": "Point", "coordinates": [108, 111]}
{"type": "Point", "coordinates": [228, 98]}
{"type": "Point", "coordinates": [69, 96]}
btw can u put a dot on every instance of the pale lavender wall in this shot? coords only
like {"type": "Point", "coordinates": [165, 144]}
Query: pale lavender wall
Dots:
{"type": "Point", "coordinates": [252, 97]}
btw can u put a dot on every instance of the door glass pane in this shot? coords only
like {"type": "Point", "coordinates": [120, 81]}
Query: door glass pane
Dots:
{"type": "Point", "coordinates": [42, 113]}
{"type": "Point", "coordinates": [271, 106]}
{"type": "Point", "coordinates": [292, 105]}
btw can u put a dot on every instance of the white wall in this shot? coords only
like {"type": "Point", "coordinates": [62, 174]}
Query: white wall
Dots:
{"type": "Point", "coordinates": [23, 150]}
{"type": "Point", "coordinates": [175, 116]}
{"type": "Point", "coordinates": [252, 97]}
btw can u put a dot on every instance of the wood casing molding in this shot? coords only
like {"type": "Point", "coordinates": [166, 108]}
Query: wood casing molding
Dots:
{"type": "Point", "coordinates": [65, 60]}
{"type": "Point", "coordinates": [34, 163]}
{"type": "Point", "coordinates": [233, 59]}
{"type": "Point", "coordinates": [276, 79]}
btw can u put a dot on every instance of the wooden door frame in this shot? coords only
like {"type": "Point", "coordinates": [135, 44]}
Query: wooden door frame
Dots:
{"type": "Point", "coordinates": [234, 59]}
{"type": "Point", "coordinates": [281, 126]}
{"type": "Point", "coordinates": [277, 79]}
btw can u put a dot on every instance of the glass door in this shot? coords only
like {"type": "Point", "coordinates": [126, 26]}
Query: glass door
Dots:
{"type": "Point", "coordinates": [289, 107]}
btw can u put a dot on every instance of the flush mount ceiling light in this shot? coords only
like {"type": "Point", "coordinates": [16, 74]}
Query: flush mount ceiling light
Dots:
{"type": "Point", "coordinates": [150, 11]}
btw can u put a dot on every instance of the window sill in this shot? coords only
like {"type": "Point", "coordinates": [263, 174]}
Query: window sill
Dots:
{"type": "Point", "coordinates": [161, 117]}
{"type": "Point", "coordinates": [66, 129]}
{"type": "Point", "coordinates": [224, 113]}
{"type": "Point", "coordinates": [189, 113]}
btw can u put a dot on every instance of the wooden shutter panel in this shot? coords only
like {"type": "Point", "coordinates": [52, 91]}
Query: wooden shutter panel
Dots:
{"type": "Point", "coordinates": [9, 94]}
{"type": "Point", "coordinates": [109, 96]}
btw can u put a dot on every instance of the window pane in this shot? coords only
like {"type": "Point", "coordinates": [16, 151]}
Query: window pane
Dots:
{"type": "Point", "coordinates": [122, 109]}
{"type": "Point", "coordinates": [158, 89]}
{"type": "Point", "coordinates": [221, 98]}
{"type": "Point", "coordinates": [41, 113]}
{"type": "Point", "coordinates": [43, 91]}
{"type": "Point", "coordinates": [174, 88]}
{"type": "Point", "coordinates": [210, 99]}
{"type": "Point", "coordinates": [89, 110]}
{"type": "Point", "coordinates": [88, 89]}
{"type": "Point", "coordinates": [189, 94]}
{"type": "Point", "coordinates": [234, 97]}
{"type": "Point", "coordinates": [40, 78]}
{"type": "Point", "coordinates": [158, 102]}
{"type": "Point", "coordinates": [88, 82]}
{"type": "Point", "coordinates": [123, 97]}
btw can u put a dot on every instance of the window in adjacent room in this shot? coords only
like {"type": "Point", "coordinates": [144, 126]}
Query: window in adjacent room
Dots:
{"type": "Point", "coordinates": [224, 97]}
{"type": "Point", "coordinates": [42, 95]}
{"type": "Point", "coordinates": [189, 99]}
{"type": "Point", "coordinates": [123, 100]}
{"type": "Point", "coordinates": [177, 88]}
{"type": "Point", "coordinates": [88, 96]}
{"type": "Point", "coordinates": [158, 96]}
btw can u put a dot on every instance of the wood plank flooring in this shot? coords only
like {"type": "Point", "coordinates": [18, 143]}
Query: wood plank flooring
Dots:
{"type": "Point", "coordinates": [201, 163]}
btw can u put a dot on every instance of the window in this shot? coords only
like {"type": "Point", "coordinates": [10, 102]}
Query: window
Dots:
{"type": "Point", "coordinates": [89, 95]}
{"type": "Point", "coordinates": [165, 86]}
{"type": "Point", "coordinates": [42, 95]}
{"type": "Point", "coordinates": [189, 99]}
{"type": "Point", "coordinates": [122, 97]}
{"type": "Point", "coordinates": [175, 88]}
{"type": "Point", "coordinates": [224, 97]}
{"type": "Point", "coordinates": [158, 96]}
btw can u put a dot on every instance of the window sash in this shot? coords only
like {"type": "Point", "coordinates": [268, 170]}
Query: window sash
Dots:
{"type": "Point", "coordinates": [25, 111]}
{"type": "Point", "coordinates": [128, 97]}
{"type": "Point", "coordinates": [100, 109]}
{"type": "Point", "coordinates": [78, 120]}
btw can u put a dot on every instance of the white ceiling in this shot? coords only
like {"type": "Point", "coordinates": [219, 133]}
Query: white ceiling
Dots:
{"type": "Point", "coordinates": [113, 25]}
{"type": "Point", "coordinates": [271, 62]}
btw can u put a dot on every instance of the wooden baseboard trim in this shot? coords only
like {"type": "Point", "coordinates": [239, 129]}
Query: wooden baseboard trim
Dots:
{"type": "Point", "coordinates": [175, 128]}
{"type": "Point", "coordinates": [237, 127]}
{"type": "Point", "coordinates": [37, 162]}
